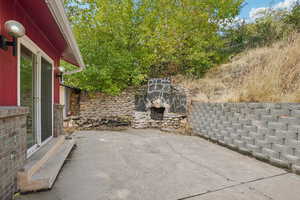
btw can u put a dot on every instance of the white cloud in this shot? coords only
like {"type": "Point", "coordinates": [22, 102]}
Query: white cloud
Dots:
{"type": "Point", "coordinates": [287, 4]}
{"type": "Point", "coordinates": [257, 12]}
{"type": "Point", "coordinates": [233, 23]}
{"type": "Point", "coordinates": [260, 12]}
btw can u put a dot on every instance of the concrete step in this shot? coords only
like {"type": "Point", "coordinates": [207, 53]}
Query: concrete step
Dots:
{"type": "Point", "coordinates": [42, 168]}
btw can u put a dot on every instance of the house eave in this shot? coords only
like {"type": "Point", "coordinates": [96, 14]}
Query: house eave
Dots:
{"type": "Point", "coordinates": [72, 53]}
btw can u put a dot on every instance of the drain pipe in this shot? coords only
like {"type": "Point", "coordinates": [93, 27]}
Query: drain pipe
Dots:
{"type": "Point", "coordinates": [74, 71]}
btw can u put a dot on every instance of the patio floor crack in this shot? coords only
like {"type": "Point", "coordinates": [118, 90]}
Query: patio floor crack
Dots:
{"type": "Point", "coordinates": [235, 185]}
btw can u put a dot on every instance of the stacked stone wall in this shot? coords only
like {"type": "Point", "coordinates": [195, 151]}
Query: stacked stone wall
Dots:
{"type": "Point", "coordinates": [268, 131]}
{"type": "Point", "coordinates": [143, 120]}
{"type": "Point", "coordinates": [97, 109]}
{"type": "Point", "coordinates": [12, 148]}
{"type": "Point", "coordinates": [74, 108]}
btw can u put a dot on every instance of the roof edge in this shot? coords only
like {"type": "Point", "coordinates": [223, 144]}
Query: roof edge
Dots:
{"type": "Point", "coordinates": [57, 9]}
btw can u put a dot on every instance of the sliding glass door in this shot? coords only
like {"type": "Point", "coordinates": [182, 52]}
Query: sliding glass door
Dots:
{"type": "Point", "coordinates": [28, 92]}
{"type": "Point", "coordinates": [36, 93]}
{"type": "Point", "coordinates": [46, 99]}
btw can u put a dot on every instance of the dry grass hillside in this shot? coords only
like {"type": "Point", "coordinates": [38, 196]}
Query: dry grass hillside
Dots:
{"type": "Point", "coordinates": [269, 74]}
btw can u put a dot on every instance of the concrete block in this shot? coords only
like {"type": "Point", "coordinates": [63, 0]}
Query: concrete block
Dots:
{"type": "Point", "coordinates": [260, 155]}
{"type": "Point", "coordinates": [262, 143]}
{"type": "Point", "coordinates": [269, 152]}
{"type": "Point", "coordinates": [248, 140]}
{"type": "Point", "coordinates": [240, 143]}
{"type": "Point", "coordinates": [255, 135]}
{"type": "Point", "coordinates": [294, 144]}
{"type": "Point", "coordinates": [254, 116]}
{"type": "Point", "coordinates": [291, 159]}
{"type": "Point", "coordinates": [252, 147]}
{"type": "Point", "coordinates": [294, 128]}
{"type": "Point", "coordinates": [255, 106]}
{"type": "Point", "coordinates": [277, 126]}
{"type": "Point", "coordinates": [271, 139]}
{"type": "Point", "coordinates": [295, 113]}
{"type": "Point", "coordinates": [280, 112]}
{"type": "Point", "coordinates": [296, 168]}
{"type": "Point", "coordinates": [250, 128]}
{"type": "Point", "coordinates": [264, 130]}
{"type": "Point", "coordinates": [259, 124]}
{"type": "Point", "coordinates": [269, 118]}
{"type": "Point", "coordinates": [280, 148]}
{"type": "Point", "coordinates": [291, 135]}
{"type": "Point", "coordinates": [236, 136]}
{"type": "Point", "coordinates": [228, 140]}
{"type": "Point", "coordinates": [289, 120]}
{"type": "Point", "coordinates": [293, 106]}
{"type": "Point", "coordinates": [227, 124]}
{"type": "Point", "coordinates": [279, 162]}
{"type": "Point", "coordinates": [262, 111]}
{"type": "Point", "coordinates": [283, 134]}
{"type": "Point", "coordinates": [245, 121]}
{"type": "Point", "coordinates": [237, 125]}
{"type": "Point", "coordinates": [220, 137]}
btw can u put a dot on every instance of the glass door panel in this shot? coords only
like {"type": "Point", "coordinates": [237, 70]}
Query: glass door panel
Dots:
{"type": "Point", "coordinates": [28, 92]}
{"type": "Point", "coordinates": [46, 99]}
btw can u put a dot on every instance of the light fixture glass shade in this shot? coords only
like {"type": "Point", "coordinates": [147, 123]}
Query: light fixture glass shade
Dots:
{"type": "Point", "coordinates": [15, 28]}
{"type": "Point", "coordinates": [61, 69]}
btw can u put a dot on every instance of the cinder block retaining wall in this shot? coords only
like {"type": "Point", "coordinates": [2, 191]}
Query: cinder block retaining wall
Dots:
{"type": "Point", "coordinates": [269, 131]}
{"type": "Point", "coordinates": [12, 148]}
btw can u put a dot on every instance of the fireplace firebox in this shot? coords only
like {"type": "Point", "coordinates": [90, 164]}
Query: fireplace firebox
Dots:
{"type": "Point", "coordinates": [157, 113]}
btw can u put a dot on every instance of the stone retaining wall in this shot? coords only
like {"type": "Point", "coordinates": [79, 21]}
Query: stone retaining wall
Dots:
{"type": "Point", "coordinates": [74, 103]}
{"type": "Point", "coordinates": [12, 148]}
{"type": "Point", "coordinates": [96, 107]}
{"type": "Point", "coordinates": [142, 120]}
{"type": "Point", "coordinates": [268, 131]}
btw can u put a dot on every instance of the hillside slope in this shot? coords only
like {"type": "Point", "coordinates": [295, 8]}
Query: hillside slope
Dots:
{"type": "Point", "coordinates": [269, 74]}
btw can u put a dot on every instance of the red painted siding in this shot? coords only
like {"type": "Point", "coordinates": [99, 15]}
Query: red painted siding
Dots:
{"type": "Point", "coordinates": [53, 46]}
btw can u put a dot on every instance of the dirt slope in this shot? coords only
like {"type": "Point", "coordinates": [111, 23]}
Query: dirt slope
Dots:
{"type": "Point", "coordinates": [269, 74]}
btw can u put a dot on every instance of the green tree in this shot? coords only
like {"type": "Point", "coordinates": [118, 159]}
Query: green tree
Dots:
{"type": "Point", "coordinates": [274, 25]}
{"type": "Point", "coordinates": [293, 18]}
{"type": "Point", "coordinates": [124, 42]}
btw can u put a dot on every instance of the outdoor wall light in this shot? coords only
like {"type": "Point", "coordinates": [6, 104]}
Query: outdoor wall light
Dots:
{"type": "Point", "coordinates": [14, 29]}
{"type": "Point", "coordinates": [61, 70]}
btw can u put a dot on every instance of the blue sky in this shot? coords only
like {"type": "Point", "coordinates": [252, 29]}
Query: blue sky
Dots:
{"type": "Point", "coordinates": [255, 5]}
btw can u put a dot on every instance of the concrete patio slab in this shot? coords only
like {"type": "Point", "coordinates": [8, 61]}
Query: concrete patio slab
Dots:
{"type": "Point", "coordinates": [150, 165]}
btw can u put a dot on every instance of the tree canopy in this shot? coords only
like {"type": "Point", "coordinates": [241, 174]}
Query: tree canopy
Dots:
{"type": "Point", "coordinates": [124, 42]}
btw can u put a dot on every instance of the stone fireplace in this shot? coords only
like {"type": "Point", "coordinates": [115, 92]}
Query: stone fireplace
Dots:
{"type": "Point", "coordinates": [157, 113]}
{"type": "Point", "coordinates": [160, 105]}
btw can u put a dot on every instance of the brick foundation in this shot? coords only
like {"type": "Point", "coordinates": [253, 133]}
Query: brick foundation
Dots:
{"type": "Point", "coordinates": [58, 120]}
{"type": "Point", "coordinates": [268, 131]}
{"type": "Point", "coordinates": [12, 148]}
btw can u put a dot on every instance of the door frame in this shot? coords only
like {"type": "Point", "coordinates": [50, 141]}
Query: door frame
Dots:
{"type": "Point", "coordinates": [28, 43]}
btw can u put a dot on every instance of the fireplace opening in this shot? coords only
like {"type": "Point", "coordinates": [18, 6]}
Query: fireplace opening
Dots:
{"type": "Point", "coordinates": [157, 113]}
